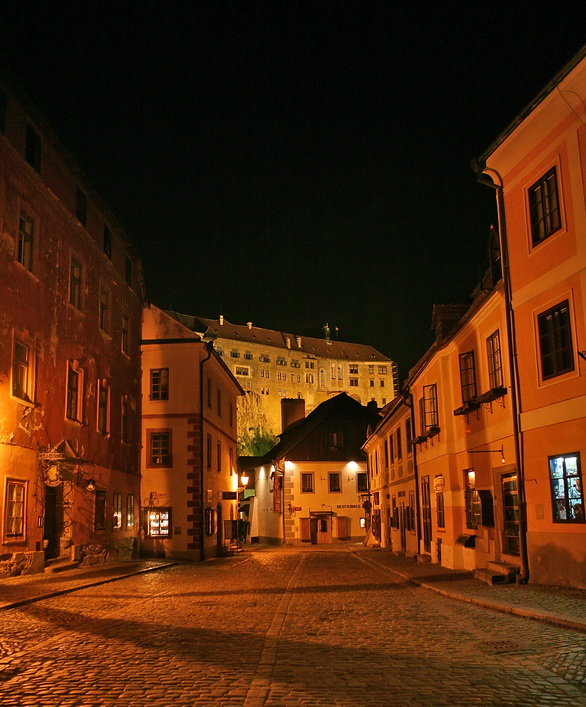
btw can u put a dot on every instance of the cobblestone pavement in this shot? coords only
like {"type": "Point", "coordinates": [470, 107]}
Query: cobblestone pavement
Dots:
{"type": "Point", "coordinates": [281, 628]}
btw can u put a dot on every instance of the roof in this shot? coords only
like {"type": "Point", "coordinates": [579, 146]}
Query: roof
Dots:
{"type": "Point", "coordinates": [340, 407]}
{"type": "Point", "coordinates": [305, 345]}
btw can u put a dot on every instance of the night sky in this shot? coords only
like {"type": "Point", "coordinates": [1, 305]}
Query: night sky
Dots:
{"type": "Point", "coordinates": [294, 163]}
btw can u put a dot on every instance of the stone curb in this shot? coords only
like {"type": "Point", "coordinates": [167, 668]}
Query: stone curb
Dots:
{"type": "Point", "coordinates": [92, 583]}
{"type": "Point", "coordinates": [533, 614]}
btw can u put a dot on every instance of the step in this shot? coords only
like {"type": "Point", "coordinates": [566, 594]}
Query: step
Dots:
{"type": "Point", "coordinates": [423, 559]}
{"type": "Point", "coordinates": [62, 566]}
{"type": "Point", "coordinates": [484, 574]}
{"type": "Point", "coordinates": [503, 567]}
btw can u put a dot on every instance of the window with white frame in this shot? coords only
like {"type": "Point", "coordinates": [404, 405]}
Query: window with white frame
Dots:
{"type": "Point", "coordinates": [429, 408]}
{"type": "Point", "coordinates": [544, 207]}
{"type": "Point", "coordinates": [159, 384]}
{"type": "Point", "coordinates": [495, 363]}
{"type": "Point", "coordinates": [467, 376]}
{"type": "Point", "coordinates": [14, 510]}
{"type": "Point", "coordinates": [22, 383]}
{"type": "Point", "coordinates": [555, 341]}
{"type": "Point", "coordinates": [159, 522]}
{"type": "Point", "coordinates": [159, 447]}
{"type": "Point", "coordinates": [566, 488]}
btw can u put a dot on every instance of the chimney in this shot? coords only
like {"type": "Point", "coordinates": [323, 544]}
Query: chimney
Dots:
{"type": "Point", "coordinates": [249, 325]}
{"type": "Point", "coordinates": [292, 409]}
{"type": "Point", "coordinates": [288, 342]}
{"type": "Point", "coordinates": [221, 320]}
{"type": "Point", "coordinates": [298, 342]}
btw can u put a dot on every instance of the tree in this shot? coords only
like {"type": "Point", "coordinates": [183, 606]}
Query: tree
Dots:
{"type": "Point", "coordinates": [254, 439]}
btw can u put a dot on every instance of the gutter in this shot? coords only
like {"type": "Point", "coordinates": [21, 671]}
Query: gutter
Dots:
{"type": "Point", "coordinates": [496, 183]}
{"type": "Point", "coordinates": [209, 347]}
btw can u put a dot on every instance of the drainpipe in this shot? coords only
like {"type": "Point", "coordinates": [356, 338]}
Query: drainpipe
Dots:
{"type": "Point", "coordinates": [497, 185]}
{"type": "Point", "coordinates": [202, 555]}
{"type": "Point", "coordinates": [408, 400]}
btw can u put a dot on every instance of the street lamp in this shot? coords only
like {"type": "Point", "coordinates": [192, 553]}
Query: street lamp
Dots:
{"type": "Point", "coordinates": [244, 479]}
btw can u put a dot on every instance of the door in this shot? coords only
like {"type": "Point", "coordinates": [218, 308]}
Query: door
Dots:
{"type": "Point", "coordinates": [219, 528]}
{"type": "Point", "coordinates": [426, 513]}
{"type": "Point", "coordinates": [402, 532]}
{"type": "Point", "coordinates": [324, 530]}
{"type": "Point", "coordinates": [53, 521]}
{"type": "Point", "coordinates": [510, 514]}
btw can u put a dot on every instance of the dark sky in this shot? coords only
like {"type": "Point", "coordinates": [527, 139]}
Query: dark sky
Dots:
{"type": "Point", "coordinates": [294, 163]}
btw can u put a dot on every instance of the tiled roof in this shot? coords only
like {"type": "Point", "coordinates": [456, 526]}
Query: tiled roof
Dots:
{"type": "Point", "coordinates": [305, 345]}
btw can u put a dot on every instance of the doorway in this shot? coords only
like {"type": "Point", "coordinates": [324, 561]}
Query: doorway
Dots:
{"type": "Point", "coordinates": [219, 529]}
{"type": "Point", "coordinates": [320, 527]}
{"type": "Point", "coordinates": [426, 513]}
{"type": "Point", "coordinates": [53, 521]}
{"type": "Point", "coordinates": [511, 521]}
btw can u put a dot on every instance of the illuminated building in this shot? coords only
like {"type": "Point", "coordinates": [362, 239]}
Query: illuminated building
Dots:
{"type": "Point", "coordinates": [189, 465]}
{"type": "Point", "coordinates": [273, 365]}
{"type": "Point", "coordinates": [312, 487]}
{"type": "Point", "coordinates": [71, 299]}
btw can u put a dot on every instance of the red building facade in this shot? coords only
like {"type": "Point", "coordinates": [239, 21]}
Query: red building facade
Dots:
{"type": "Point", "coordinates": [71, 298]}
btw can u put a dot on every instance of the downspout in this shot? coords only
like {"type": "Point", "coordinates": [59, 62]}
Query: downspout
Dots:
{"type": "Point", "coordinates": [497, 185]}
{"type": "Point", "coordinates": [408, 400]}
{"type": "Point", "coordinates": [209, 346]}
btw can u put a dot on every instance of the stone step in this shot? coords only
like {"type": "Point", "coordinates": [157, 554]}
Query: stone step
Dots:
{"type": "Point", "coordinates": [503, 567]}
{"type": "Point", "coordinates": [62, 566]}
{"type": "Point", "coordinates": [484, 574]}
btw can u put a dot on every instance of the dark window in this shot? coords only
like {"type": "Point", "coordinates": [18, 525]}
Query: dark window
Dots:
{"type": "Point", "coordinates": [399, 445]}
{"type": "Point", "coordinates": [209, 451]}
{"type": "Point", "coordinates": [306, 483]}
{"type": "Point", "coordinates": [334, 482]}
{"type": "Point", "coordinates": [566, 488]}
{"type": "Point", "coordinates": [75, 272]}
{"type": "Point", "coordinates": [555, 341]}
{"type": "Point", "coordinates": [103, 394]}
{"type": "Point", "coordinates": [125, 341]}
{"type": "Point", "coordinates": [32, 148]}
{"type": "Point", "coordinates": [125, 421]}
{"type": "Point", "coordinates": [428, 408]}
{"type": "Point", "coordinates": [80, 206]}
{"type": "Point", "coordinates": [408, 432]}
{"type": "Point", "coordinates": [467, 376]}
{"type": "Point", "coordinates": [100, 510]}
{"type": "Point", "coordinates": [159, 384]}
{"type": "Point", "coordinates": [128, 271]}
{"type": "Point", "coordinates": [73, 393]}
{"type": "Point", "coordinates": [107, 242]}
{"type": "Point", "coordinates": [158, 522]}
{"type": "Point", "coordinates": [20, 371]}
{"type": "Point", "coordinates": [361, 482]}
{"type": "Point", "coordinates": [544, 207]}
{"type": "Point", "coordinates": [104, 312]}
{"type": "Point", "coordinates": [495, 364]}
{"type": "Point", "coordinates": [26, 235]}
{"type": "Point", "coordinates": [440, 512]}
{"type": "Point", "coordinates": [160, 448]}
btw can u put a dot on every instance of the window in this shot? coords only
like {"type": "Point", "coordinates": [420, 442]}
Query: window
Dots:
{"type": "Point", "coordinates": [335, 440]}
{"type": "Point", "coordinates": [281, 375]}
{"type": "Point", "coordinates": [234, 353]}
{"type": "Point", "coordinates": [353, 369]}
{"type": "Point", "coordinates": [309, 378]}
{"type": "Point", "coordinates": [566, 488]}
{"type": "Point", "coordinates": [408, 432]}
{"type": "Point", "coordinates": [128, 270]}
{"type": "Point", "coordinates": [100, 510]}
{"type": "Point", "coordinates": [281, 361]}
{"type": "Point", "coordinates": [159, 522]}
{"type": "Point", "coordinates": [32, 148]}
{"type": "Point", "coordinates": [116, 510]}
{"type": "Point", "coordinates": [104, 313]}
{"type": "Point", "coordinates": [160, 448]}
{"type": "Point", "coordinates": [310, 364]}
{"type": "Point", "coordinates": [80, 206]}
{"type": "Point", "coordinates": [371, 383]}
{"type": "Point", "coordinates": [334, 482]}
{"type": "Point", "coordinates": [74, 397]}
{"type": "Point", "coordinates": [353, 382]}
{"type": "Point", "coordinates": [265, 373]}
{"type": "Point", "coordinates": [382, 384]}
{"type": "Point", "coordinates": [209, 451]}
{"type": "Point", "coordinates": [371, 369]}
{"type": "Point", "coordinates": [248, 356]}
{"type": "Point", "coordinates": [382, 370]}
{"type": "Point", "coordinates": [107, 242]}
{"type": "Point", "coordinates": [440, 511]}
{"type": "Point", "coordinates": [14, 525]}
{"type": "Point", "coordinates": [295, 363]}
{"type": "Point", "coordinates": [125, 420]}
{"type": "Point", "coordinates": [362, 482]}
{"type": "Point", "coordinates": [555, 341]}
{"type": "Point", "coordinates": [218, 456]}
{"type": "Point", "coordinates": [219, 401]}
{"type": "Point", "coordinates": [75, 272]}
{"type": "Point", "coordinates": [130, 511]}
{"type": "Point", "coordinates": [26, 235]}
{"type": "Point", "coordinates": [471, 500]}
{"type": "Point", "coordinates": [159, 384]}
{"type": "Point", "coordinates": [386, 453]}
{"type": "Point", "coordinates": [495, 364]}
{"type": "Point", "coordinates": [392, 447]}
{"type": "Point", "coordinates": [103, 404]}
{"type": "Point", "coordinates": [307, 483]}
{"type": "Point", "coordinates": [467, 376]}
{"type": "Point", "coordinates": [210, 521]}
{"type": "Point", "coordinates": [264, 358]}
{"type": "Point", "coordinates": [21, 372]}
{"type": "Point", "coordinates": [125, 342]}
{"type": "Point", "coordinates": [399, 445]}
{"type": "Point", "coordinates": [428, 408]}
{"type": "Point", "coordinates": [544, 209]}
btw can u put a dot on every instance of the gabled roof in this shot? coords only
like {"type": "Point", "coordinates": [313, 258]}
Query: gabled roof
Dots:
{"type": "Point", "coordinates": [340, 407]}
{"type": "Point", "coordinates": [304, 345]}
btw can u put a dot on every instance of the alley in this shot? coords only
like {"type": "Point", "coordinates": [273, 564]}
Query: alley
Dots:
{"type": "Point", "coordinates": [280, 627]}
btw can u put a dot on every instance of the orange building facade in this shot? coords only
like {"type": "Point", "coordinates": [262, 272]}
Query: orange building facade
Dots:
{"type": "Point", "coordinates": [537, 167]}
{"type": "Point", "coordinates": [71, 299]}
{"type": "Point", "coordinates": [189, 491]}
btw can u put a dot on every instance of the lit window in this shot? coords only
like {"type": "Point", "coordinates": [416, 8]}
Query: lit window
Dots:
{"type": "Point", "coordinates": [116, 510]}
{"type": "Point", "coordinates": [26, 235]}
{"type": "Point", "coordinates": [309, 378]}
{"type": "Point", "coordinates": [130, 510]}
{"type": "Point", "coordinates": [555, 341]}
{"type": "Point", "coordinates": [14, 517]}
{"type": "Point", "coordinates": [159, 384]}
{"type": "Point", "coordinates": [159, 522]}
{"type": "Point", "coordinates": [544, 207]}
{"type": "Point", "coordinates": [566, 488]}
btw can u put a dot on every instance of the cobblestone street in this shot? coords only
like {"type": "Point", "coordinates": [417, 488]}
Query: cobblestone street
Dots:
{"type": "Point", "coordinates": [281, 627]}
